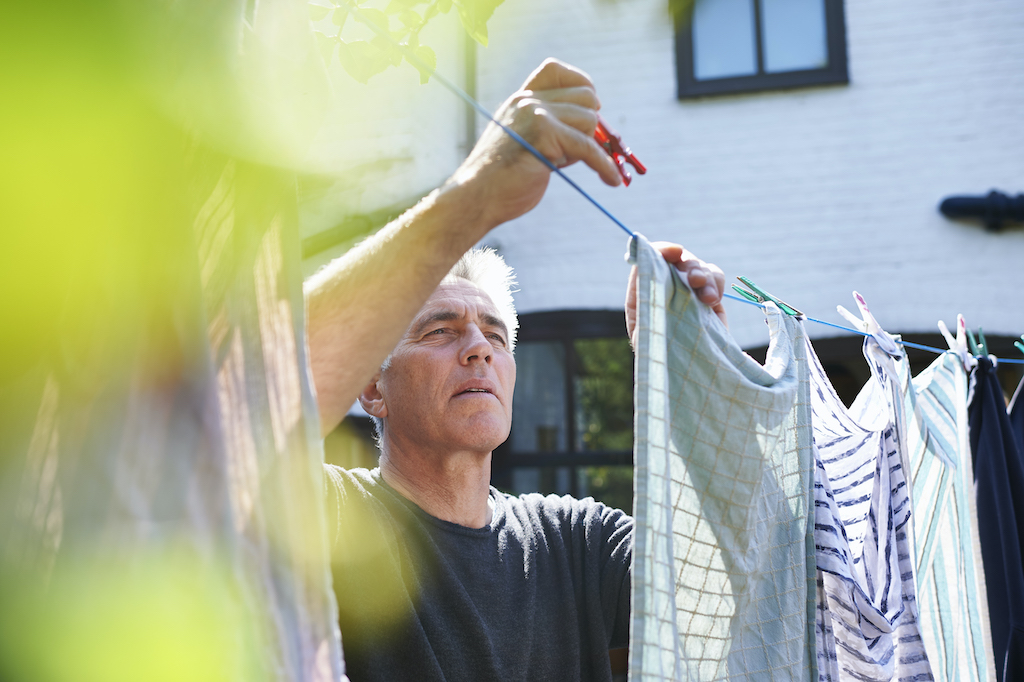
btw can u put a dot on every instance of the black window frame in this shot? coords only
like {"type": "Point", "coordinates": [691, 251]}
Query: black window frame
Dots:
{"type": "Point", "coordinates": [834, 74]}
{"type": "Point", "coordinates": [565, 326]}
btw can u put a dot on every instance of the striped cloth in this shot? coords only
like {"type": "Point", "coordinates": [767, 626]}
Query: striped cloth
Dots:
{"type": "Point", "coordinates": [723, 574]}
{"type": "Point", "coordinates": [950, 582]}
{"type": "Point", "coordinates": [867, 614]}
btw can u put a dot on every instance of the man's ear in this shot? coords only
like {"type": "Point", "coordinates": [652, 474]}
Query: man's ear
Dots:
{"type": "Point", "coordinates": [372, 399]}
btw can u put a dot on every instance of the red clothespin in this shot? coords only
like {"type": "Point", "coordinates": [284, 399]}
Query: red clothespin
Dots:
{"type": "Point", "coordinates": [612, 143]}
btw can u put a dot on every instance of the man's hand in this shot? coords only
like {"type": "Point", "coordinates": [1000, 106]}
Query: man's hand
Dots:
{"type": "Point", "coordinates": [706, 279]}
{"type": "Point", "coordinates": [556, 112]}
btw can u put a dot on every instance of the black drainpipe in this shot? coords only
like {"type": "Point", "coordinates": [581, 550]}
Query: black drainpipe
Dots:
{"type": "Point", "coordinates": [994, 210]}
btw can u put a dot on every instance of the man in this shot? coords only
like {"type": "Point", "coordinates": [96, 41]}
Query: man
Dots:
{"type": "Point", "coordinates": [439, 576]}
{"type": "Point", "coordinates": [359, 305]}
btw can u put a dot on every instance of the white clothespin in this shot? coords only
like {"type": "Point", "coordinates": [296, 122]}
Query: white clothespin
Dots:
{"type": "Point", "coordinates": [958, 346]}
{"type": "Point", "coordinates": [867, 324]}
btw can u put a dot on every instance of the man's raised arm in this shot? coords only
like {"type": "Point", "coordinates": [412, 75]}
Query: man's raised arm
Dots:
{"type": "Point", "coordinates": [360, 304]}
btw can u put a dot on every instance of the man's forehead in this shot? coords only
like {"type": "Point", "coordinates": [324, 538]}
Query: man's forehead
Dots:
{"type": "Point", "coordinates": [461, 294]}
{"type": "Point", "coordinates": [458, 299]}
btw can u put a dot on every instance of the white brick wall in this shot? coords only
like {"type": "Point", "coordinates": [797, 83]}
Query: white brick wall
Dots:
{"type": "Point", "coordinates": [811, 193]}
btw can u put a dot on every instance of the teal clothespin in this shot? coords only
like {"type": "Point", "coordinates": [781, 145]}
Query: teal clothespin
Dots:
{"type": "Point", "coordinates": [1020, 346]}
{"type": "Point", "coordinates": [972, 343]}
{"type": "Point", "coordinates": [759, 295]}
{"type": "Point", "coordinates": [979, 347]}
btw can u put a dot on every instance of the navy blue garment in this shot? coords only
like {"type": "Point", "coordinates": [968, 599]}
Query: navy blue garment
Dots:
{"type": "Point", "coordinates": [999, 485]}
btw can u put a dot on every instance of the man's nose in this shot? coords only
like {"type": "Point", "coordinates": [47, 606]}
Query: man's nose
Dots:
{"type": "Point", "coordinates": [476, 346]}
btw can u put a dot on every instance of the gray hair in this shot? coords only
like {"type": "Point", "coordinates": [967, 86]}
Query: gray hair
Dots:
{"type": "Point", "coordinates": [485, 268]}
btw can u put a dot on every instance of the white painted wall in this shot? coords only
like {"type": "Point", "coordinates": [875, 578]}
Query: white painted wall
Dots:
{"type": "Point", "coordinates": [388, 140]}
{"type": "Point", "coordinates": [811, 193]}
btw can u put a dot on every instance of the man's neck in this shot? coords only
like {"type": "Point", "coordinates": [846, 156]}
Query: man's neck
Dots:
{"type": "Point", "coordinates": [454, 488]}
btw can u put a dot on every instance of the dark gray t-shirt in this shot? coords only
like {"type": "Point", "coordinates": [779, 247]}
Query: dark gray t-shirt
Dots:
{"type": "Point", "coordinates": [542, 593]}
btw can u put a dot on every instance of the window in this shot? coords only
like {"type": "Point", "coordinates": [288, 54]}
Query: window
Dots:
{"type": "Point", "coordinates": [730, 46]}
{"type": "Point", "coordinates": [572, 416]}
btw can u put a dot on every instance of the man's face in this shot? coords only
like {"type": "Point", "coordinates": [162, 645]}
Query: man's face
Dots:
{"type": "Point", "coordinates": [450, 382]}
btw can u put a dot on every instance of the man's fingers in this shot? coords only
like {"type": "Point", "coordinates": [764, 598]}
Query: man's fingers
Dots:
{"type": "Point", "coordinates": [582, 96]}
{"type": "Point", "coordinates": [575, 116]}
{"type": "Point", "coordinates": [706, 279]}
{"type": "Point", "coordinates": [672, 253]}
{"type": "Point", "coordinates": [719, 278]}
{"type": "Point", "coordinates": [552, 74]}
{"type": "Point", "coordinates": [581, 147]}
{"type": "Point", "coordinates": [566, 145]}
{"type": "Point", "coordinates": [631, 307]}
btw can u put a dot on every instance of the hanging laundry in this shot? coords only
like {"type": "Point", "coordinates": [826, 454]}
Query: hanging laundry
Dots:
{"type": "Point", "coordinates": [950, 585]}
{"type": "Point", "coordinates": [723, 575]}
{"type": "Point", "coordinates": [999, 486]}
{"type": "Point", "coordinates": [866, 625]}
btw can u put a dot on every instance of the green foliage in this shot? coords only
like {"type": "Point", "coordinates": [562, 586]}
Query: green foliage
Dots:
{"type": "Point", "coordinates": [395, 32]}
{"type": "Point", "coordinates": [603, 387]}
{"type": "Point", "coordinates": [681, 10]}
{"type": "Point", "coordinates": [475, 14]}
{"type": "Point", "coordinates": [612, 485]}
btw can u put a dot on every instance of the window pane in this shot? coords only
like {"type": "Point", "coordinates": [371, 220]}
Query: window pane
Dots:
{"type": "Point", "coordinates": [603, 393]}
{"type": "Point", "coordinates": [545, 480]}
{"type": "Point", "coordinates": [538, 413]}
{"type": "Point", "coordinates": [723, 39]}
{"type": "Point", "coordinates": [794, 35]}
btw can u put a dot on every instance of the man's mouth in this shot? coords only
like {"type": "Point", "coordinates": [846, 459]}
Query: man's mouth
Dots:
{"type": "Point", "coordinates": [476, 386]}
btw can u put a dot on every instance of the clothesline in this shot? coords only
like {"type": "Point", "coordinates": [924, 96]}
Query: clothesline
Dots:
{"type": "Point", "coordinates": [907, 344]}
{"type": "Point", "coordinates": [468, 99]}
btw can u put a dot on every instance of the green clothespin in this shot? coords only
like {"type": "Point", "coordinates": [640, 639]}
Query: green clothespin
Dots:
{"type": "Point", "coordinates": [759, 295]}
{"type": "Point", "coordinates": [972, 343]}
{"type": "Point", "coordinates": [1020, 346]}
{"type": "Point", "coordinates": [982, 345]}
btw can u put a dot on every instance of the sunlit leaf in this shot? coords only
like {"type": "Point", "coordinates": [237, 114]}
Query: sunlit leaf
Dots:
{"type": "Point", "coordinates": [318, 12]}
{"type": "Point", "coordinates": [390, 51]}
{"type": "Point", "coordinates": [474, 15]}
{"type": "Point", "coordinates": [339, 16]}
{"type": "Point", "coordinates": [325, 44]}
{"type": "Point", "coordinates": [680, 9]}
{"type": "Point", "coordinates": [428, 58]}
{"type": "Point", "coordinates": [443, 6]}
{"type": "Point", "coordinates": [410, 18]}
{"type": "Point", "coordinates": [362, 60]}
{"type": "Point", "coordinates": [395, 7]}
{"type": "Point", "coordinates": [375, 16]}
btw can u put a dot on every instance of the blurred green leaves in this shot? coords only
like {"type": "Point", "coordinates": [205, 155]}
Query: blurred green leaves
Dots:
{"type": "Point", "coordinates": [161, 618]}
{"type": "Point", "coordinates": [475, 14]}
{"type": "Point", "coordinates": [401, 21]}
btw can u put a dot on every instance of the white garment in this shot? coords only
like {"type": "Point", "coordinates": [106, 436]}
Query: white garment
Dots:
{"type": "Point", "coordinates": [867, 614]}
{"type": "Point", "coordinates": [723, 574]}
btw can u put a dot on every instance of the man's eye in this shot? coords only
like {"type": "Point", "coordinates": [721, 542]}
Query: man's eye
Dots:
{"type": "Point", "coordinates": [437, 331]}
{"type": "Point", "coordinates": [498, 337]}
